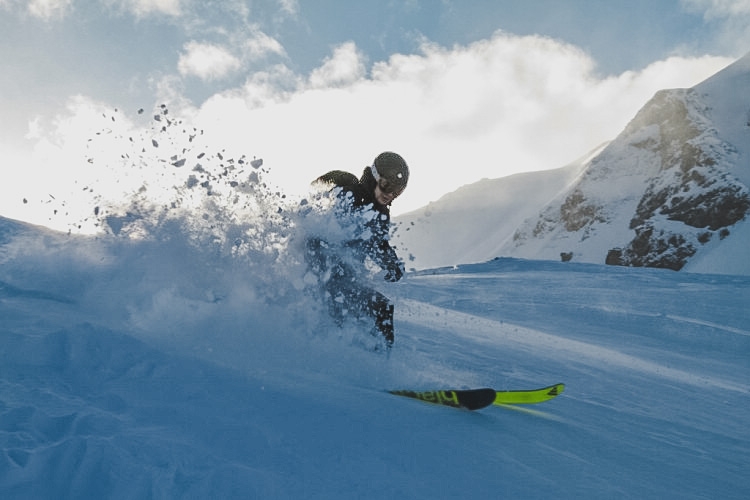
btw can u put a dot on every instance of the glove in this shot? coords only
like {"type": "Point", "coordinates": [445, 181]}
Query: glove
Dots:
{"type": "Point", "coordinates": [394, 272]}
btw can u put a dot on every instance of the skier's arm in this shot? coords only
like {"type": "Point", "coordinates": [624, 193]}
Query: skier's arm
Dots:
{"type": "Point", "coordinates": [389, 261]}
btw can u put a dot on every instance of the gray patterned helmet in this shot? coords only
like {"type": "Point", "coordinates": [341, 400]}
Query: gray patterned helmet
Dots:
{"type": "Point", "coordinates": [391, 172]}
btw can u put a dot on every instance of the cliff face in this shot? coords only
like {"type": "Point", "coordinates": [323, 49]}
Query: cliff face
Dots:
{"type": "Point", "coordinates": [693, 185]}
{"type": "Point", "coordinates": [666, 186]}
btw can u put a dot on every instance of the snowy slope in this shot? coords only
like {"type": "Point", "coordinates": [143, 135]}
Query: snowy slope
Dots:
{"type": "Point", "coordinates": [158, 368]}
{"type": "Point", "coordinates": [731, 117]}
{"type": "Point", "coordinates": [671, 188]}
{"type": "Point", "coordinates": [439, 235]}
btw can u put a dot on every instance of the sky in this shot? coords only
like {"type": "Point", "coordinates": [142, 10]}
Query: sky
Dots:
{"type": "Point", "coordinates": [463, 90]}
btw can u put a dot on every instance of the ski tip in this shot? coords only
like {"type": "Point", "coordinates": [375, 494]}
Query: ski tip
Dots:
{"type": "Point", "coordinates": [556, 390]}
{"type": "Point", "coordinates": [529, 396]}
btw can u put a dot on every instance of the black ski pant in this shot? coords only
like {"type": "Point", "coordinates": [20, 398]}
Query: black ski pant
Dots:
{"type": "Point", "coordinates": [344, 295]}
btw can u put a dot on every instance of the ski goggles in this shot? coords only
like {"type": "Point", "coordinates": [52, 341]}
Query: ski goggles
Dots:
{"type": "Point", "coordinates": [385, 185]}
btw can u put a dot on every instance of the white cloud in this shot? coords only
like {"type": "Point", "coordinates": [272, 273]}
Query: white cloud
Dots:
{"type": "Point", "coordinates": [291, 7]}
{"type": "Point", "coordinates": [57, 9]}
{"type": "Point", "coordinates": [719, 8]}
{"type": "Point", "coordinates": [730, 19]}
{"type": "Point", "coordinates": [143, 8]}
{"type": "Point", "coordinates": [49, 9]}
{"type": "Point", "coordinates": [211, 61]}
{"type": "Point", "coordinates": [260, 45]}
{"type": "Point", "coordinates": [146, 7]}
{"type": "Point", "coordinates": [345, 67]}
{"type": "Point", "coordinates": [207, 61]}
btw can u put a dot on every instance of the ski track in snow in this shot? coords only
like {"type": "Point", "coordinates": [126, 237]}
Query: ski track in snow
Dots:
{"type": "Point", "coordinates": [543, 344]}
{"type": "Point", "coordinates": [709, 324]}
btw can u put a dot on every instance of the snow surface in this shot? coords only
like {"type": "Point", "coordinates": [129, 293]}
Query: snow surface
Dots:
{"type": "Point", "coordinates": [160, 367]}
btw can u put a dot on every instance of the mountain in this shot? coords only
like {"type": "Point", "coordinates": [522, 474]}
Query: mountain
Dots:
{"type": "Point", "coordinates": [670, 190]}
{"type": "Point", "coordinates": [454, 229]}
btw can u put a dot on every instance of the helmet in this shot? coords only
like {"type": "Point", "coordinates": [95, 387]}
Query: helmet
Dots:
{"type": "Point", "coordinates": [390, 169]}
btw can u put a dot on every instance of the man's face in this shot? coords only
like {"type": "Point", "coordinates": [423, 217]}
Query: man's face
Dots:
{"type": "Point", "coordinates": [383, 198]}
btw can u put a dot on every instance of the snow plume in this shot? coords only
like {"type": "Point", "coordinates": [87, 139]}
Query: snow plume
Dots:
{"type": "Point", "coordinates": [209, 203]}
{"type": "Point", "coordinates": [170, 174]}
{"type": "Point", "coordinates": [199, 254]}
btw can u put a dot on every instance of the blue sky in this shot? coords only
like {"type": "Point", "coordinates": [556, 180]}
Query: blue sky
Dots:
{"type": "Point", "coordinates": [481, 88]}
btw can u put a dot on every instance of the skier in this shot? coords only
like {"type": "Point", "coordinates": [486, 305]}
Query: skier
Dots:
{"type": "Point", "coordinates": [364, 202]}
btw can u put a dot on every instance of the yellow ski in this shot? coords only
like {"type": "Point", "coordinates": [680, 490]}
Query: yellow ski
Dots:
{"type": "Point", "coordinates": [528, 397]}
{"type": "Point", "coordinates": [475, 399]}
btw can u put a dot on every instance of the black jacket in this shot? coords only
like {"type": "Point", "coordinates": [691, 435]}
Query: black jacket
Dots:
{"type": "Point", "coordinates": [359, 195]}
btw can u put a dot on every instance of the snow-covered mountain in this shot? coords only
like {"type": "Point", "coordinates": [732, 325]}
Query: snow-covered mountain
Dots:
{"type": "Point", "coordinates": [439, 235]}
{"type": "Point", "coordinates": [671, 190]}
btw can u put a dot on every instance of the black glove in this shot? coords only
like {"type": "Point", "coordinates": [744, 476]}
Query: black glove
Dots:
{"type": "Point", "coordinates": [394, 272]}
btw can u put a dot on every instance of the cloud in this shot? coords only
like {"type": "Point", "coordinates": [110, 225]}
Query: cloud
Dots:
{"type": "Point", "coordinates": [458, 114]}
{"type": "Point", "coordinates": [207, 61]}
{"type": "Point", "coordinates": [290, 7]}
{"type": "Point", "coordinates": [719, 8]}
{"type": "Point", "coordinates": [48, 9]}
{"type": "Point", "coordinates": [259, 45]}
{"type": "Point", "coordinates": [143, 8]}
{"type": "Point", "coordinates": [214, 61]}
{"type": "Point", "coordinates": [45, 10]}
{"type": "Point", "coordinates": [345, 67]}
{"type": "Point", "coordinates": [731, 17]}
{"type": "Point", "coordinates": [57, 9]}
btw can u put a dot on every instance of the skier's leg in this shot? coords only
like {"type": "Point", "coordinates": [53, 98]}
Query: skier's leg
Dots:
{"type": "Point", "coordinates": [341, 293]}
{"type": "Point", "coordinates": [346, 298]}
{"type": "Point", "coordinates": [362, 302]}
{"type": "Point", "coordinates": [382, 310]}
